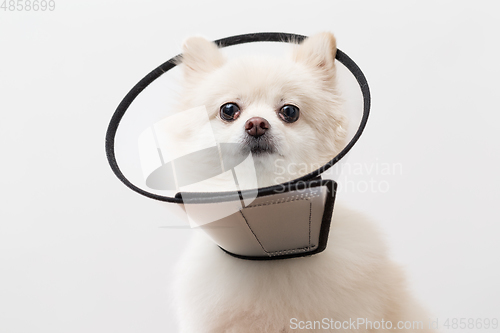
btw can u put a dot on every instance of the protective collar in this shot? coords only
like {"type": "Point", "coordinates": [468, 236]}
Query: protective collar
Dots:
{"type": "Point", "coordinates": [277, 222]}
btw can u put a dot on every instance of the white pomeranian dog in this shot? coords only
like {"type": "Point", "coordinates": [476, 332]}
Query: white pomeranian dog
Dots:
{"type": "Point", "coordinates": [286, 108]}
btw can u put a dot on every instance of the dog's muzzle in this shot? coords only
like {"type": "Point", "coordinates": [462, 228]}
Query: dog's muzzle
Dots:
{"type": "Point", "coordinates": [277, 222]}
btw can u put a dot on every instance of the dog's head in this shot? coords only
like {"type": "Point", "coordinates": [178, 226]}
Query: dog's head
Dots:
{"type": "Point", "coordinates": [285, 111]}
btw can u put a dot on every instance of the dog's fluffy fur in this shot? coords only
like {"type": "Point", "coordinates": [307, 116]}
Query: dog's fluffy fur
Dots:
{"type": "Point", "coordinates": [353, 278]}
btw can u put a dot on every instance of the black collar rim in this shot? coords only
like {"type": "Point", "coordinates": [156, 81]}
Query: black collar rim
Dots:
{"type": "Point", "coordinates": [224, 42]}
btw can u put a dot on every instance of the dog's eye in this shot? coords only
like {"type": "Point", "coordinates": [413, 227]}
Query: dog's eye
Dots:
{"type": "Point", "coordinates": [229, 111]}
{"type": "Point", "coordinates": [289, 113]}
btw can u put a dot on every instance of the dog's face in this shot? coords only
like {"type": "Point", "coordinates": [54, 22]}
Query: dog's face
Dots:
{"type": "Point", "coordinates": [285, 111]}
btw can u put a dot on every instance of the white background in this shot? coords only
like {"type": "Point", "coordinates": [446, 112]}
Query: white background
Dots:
{"type": "Point", "coordinates": [79, 252]}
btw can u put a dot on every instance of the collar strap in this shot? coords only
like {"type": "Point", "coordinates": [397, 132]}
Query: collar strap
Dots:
{"type": "Point", "coordinates": [275, 225]}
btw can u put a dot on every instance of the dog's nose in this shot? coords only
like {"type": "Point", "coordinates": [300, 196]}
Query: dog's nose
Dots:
{"type": "Point", "coordinates": [256, 126]}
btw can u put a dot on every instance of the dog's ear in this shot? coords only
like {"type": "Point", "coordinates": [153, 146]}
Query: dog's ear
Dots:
{"type": "Point", "coordinates": [318, 51]}
{"type": "Point", "coordinates": [200, 56]}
